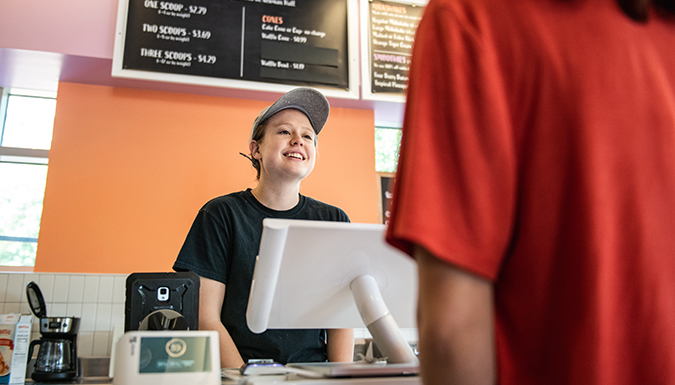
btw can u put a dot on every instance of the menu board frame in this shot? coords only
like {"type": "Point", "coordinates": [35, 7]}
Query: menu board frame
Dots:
{"type": "Point", "coordinates": [352, 92]}
{"type": "Point", "coordinates": [367, 53]}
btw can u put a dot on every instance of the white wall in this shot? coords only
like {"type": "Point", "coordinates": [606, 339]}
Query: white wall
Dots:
{"type": "Point", "coordinates": [71, 27]}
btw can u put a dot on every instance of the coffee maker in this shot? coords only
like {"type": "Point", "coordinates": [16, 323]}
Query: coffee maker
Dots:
{"type": "Point", "coordinates": [57, 357]}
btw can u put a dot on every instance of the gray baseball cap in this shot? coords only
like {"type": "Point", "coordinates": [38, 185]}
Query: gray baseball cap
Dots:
{"type": "Point", "coordinates": [309, 101]}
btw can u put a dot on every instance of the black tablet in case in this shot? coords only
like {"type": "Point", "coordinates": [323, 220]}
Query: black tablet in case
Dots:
{"type": "Point", "coordinates": [163, 293]}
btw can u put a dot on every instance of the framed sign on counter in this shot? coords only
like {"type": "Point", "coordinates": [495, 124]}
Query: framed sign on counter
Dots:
{"type": "Point", "coordinates": [387, 35]}
{"type": "Point", "coordinates": [267, 45]}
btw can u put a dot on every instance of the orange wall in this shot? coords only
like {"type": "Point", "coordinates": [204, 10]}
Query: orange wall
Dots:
{"type": "Point", "coordinates": [129, 169]}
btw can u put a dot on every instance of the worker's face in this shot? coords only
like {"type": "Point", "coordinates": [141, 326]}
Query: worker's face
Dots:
{"type": "Point", "coordinates": [286, 150]}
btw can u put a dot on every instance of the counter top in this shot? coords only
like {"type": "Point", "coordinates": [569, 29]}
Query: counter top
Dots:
{"type": "Point", "coordinates": [87, 380]}
{"type": "Point", "coordinates": [251, 381]}
{"type": "Point", "coordinates": [399, 380]}
{"type": "Point", "coordinates": [95, 371]}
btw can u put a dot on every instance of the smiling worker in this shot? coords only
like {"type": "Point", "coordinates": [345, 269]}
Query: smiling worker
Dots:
{"type": "Point", "coordinates": [223, 242]}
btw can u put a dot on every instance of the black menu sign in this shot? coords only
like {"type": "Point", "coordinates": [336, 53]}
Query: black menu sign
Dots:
{"type": "Point", "coordinates": [392, 27]}
{"type": "Point", "coordinates": [295, 42]}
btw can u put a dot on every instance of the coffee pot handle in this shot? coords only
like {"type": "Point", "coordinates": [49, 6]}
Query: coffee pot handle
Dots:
{"type": "Point", "coordinates": [31, 346]}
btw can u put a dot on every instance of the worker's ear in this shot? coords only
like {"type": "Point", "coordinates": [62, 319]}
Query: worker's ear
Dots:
{"type": "Point", "coordinates": [254, 148]}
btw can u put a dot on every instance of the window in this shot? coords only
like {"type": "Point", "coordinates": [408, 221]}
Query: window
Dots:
{"type": "Point", "coordinates": [387, 143]}
{"type": "Point", "coordinates": [26, 124]}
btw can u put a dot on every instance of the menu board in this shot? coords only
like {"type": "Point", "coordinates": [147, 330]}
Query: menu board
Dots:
{"type": "Point", "coordinates": [252, 42]}
{"type": "Point", "coordinates": [389, 33]}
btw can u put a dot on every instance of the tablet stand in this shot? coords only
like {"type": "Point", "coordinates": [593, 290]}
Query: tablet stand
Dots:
{"type": "Point", "coordinates": [379, 321]}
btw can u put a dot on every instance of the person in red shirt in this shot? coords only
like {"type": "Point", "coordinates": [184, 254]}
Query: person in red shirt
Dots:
{"type": "Point", "coordinates": [536, 189]}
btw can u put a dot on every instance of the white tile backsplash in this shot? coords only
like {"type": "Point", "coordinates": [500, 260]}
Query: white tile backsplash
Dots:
{"type": "Point", "coordinates": [60, 291]}
{"type": "Point", "coordinates": [88, 322]}
{"type": "Point", "coordinates": [117, 315]}
{"type": "Point", "coordinates": [3, 286]}
{"type": "Point", "coordinates": [24, 307]}
{"type": "Point", "coordinates": [101, 341]}
{"type": "Point", "coordinates": [74, 309]}
{"type": "Point", "coordinates": [103, 312]}
{"type": "Point", "coordinates": [98, 299]}
{"type": "Point", "coordinates": [11, 307]}
{"type": "Point", "coordinates": [27, 278]}
{"type": "Point", "coordinates": [58, 309]}
{"type": "Point", "coordinates": [46, 283]}
{"type": "Point", "coordinates": [105, 289]}
{"type": "Point", "coordinates": [119, 289]}
{"type": "Point", "coordinates": [14, 288]}
{"type": "Point", "coordinates": [85, 344]}
{"type": "Point", "coordinates": [76, 288]}
{"type": "Point", "coordinates": [91, 283]}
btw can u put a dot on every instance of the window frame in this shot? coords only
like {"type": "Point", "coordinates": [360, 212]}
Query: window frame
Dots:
{"type": "Point", "coordinates": [18, 155]}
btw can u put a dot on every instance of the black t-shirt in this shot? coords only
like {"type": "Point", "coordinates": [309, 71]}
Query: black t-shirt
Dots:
{"type": "Point", "coordinates": [222, 245]}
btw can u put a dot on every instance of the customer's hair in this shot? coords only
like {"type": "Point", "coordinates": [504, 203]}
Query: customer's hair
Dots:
{"type": "Point", "coordinates": [638, 10]}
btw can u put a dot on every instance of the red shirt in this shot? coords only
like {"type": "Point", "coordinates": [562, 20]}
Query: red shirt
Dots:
{"type": "Point", "coordinates": [539, 152]}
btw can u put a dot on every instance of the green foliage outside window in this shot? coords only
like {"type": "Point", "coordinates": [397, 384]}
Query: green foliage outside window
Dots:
{"type": "Point", "coordinates": [21, 208]}
{"type": "Point", "coordinates": [387, 143]}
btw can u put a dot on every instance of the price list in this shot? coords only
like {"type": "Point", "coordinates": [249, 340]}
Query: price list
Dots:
{"type": "Point", "coordinates": [301, 42]}
{"type": "Point", "coordinates": [392, 33]}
